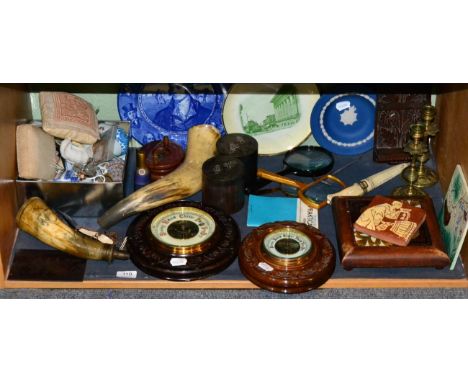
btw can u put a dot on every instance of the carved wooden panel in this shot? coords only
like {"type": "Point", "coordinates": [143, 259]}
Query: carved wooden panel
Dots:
{"type": "Point", "coordinates": [394, 115]}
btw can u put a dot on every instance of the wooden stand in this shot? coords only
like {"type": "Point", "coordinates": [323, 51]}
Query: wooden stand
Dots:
{"type": "Point", "coordinates": [425, 250]}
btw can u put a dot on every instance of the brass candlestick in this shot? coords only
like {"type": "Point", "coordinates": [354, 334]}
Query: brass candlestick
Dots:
{"type": "Point", "coordinates": [426, 176]}
{"type": "Point", "coordinates": [417, 148]}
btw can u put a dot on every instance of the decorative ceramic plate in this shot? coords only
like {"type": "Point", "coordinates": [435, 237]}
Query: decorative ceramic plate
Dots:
{"type": "Point", "coordinates": [344, 123]}
{"type": "Point", "coordinates": [276, 115]}
{"type": "Point", "coordinates": [170, 109]}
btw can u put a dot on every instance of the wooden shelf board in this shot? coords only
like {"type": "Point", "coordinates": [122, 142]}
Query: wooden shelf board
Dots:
{"type": "Point", "coordinates": [235, 284]}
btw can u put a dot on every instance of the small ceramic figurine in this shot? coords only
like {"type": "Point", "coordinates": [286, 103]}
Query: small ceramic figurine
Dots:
{"type": "Point", "coordinates": [76, 153]}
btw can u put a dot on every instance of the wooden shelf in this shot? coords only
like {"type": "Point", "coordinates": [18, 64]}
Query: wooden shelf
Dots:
{"type": "Point", "coordinates": [14, 99]}
{"type": "Point", "coordinates": [236, 284]}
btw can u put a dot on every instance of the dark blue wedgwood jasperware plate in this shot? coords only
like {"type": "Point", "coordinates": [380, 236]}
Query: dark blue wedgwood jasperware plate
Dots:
{"type": "Point", "coordinates": [170, 110]}
{"type": "Point", "coordinates": [344, 123]}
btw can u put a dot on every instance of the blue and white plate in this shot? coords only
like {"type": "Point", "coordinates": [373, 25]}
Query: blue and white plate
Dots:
{"type": "Point", "coordinates": [170, 110]}
{"type": "Point", "coordinates": [344, 123]}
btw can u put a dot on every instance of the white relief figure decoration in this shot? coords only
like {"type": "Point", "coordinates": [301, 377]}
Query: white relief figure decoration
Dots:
{"type": "Point", "coordinates": [349, 116]}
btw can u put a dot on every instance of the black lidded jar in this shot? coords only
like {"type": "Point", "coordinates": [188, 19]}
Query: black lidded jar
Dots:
{"type": "Point", "coordinates": [223, 184]}
{"type": "Point", "coordinates": [245, 148]}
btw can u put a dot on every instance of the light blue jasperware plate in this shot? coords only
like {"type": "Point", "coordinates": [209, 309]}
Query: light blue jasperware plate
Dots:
{"type": "Point", "coordinates": [344, 123]}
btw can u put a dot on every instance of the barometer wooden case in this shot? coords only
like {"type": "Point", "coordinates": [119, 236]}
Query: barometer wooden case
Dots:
{"type": "Point", "coordinates": [183, 241]}
{"type": "Point", "coordinates": [287, 257]}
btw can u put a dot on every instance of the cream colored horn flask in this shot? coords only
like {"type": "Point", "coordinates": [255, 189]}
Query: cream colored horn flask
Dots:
{"type": "Point", "coordinates": [183, 182]}
{"type": "Point", "coordinates": [37, 219]}
{"type": "Point", "coordinates": [370, 183]}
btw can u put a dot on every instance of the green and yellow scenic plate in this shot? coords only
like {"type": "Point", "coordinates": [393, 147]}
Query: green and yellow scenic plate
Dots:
{"type": "Point", "coordinates": [276, 115]}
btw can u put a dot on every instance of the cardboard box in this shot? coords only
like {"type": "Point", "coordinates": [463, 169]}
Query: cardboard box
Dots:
{"type": "Point", "coordinates": [77, 199]}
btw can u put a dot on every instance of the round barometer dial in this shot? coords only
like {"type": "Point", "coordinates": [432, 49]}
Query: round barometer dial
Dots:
{"type": "Point", "coordinates": [183, 227]}
{"type": "Point", "coordinates": [287, 243]}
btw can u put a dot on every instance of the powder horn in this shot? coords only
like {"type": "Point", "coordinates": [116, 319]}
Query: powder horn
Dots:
{"type": "Point", "coordinates": [37, 219]}
{"type": "Point", "coordinates": [183, 182]}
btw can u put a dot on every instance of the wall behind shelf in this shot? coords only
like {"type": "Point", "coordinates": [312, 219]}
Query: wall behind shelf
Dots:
{"type": "Point", "coordinates": [106, 103]}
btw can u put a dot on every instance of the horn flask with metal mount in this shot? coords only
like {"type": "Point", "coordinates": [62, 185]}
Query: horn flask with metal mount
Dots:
{"type": "Point", "coordinates": [37, 219]}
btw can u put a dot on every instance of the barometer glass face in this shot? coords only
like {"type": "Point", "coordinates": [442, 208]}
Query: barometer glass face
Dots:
{"type": "Point", "coordinates": [287, 243]}
{"type": "Point", "coordinates": [183, 226]}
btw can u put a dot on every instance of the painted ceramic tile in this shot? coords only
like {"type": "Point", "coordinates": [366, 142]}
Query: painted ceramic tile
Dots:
{"type": "Point", "coordinates": [453, 217]}
{"type": "Point", "coordinates": [363, 240]}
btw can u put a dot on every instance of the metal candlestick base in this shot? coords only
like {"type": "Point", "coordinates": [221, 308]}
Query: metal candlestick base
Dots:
{"type": "Point", "coordinates": [408, 190]}
{"type": "Point", "coordinates": [410, 173]}
{"type": "Point", "coordinates": [426, 179]}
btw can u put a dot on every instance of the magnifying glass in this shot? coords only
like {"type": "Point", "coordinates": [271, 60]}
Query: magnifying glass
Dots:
{"type": "Point", "coordinates": [310, 161]}
{"type": "Point", "coordinates": [313, 194]}
{"type": "Point", "coordinates": [304, 161]}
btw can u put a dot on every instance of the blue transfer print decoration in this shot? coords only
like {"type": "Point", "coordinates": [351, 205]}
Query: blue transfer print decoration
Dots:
{"type": "Point", "coordinates": [159, 110]}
